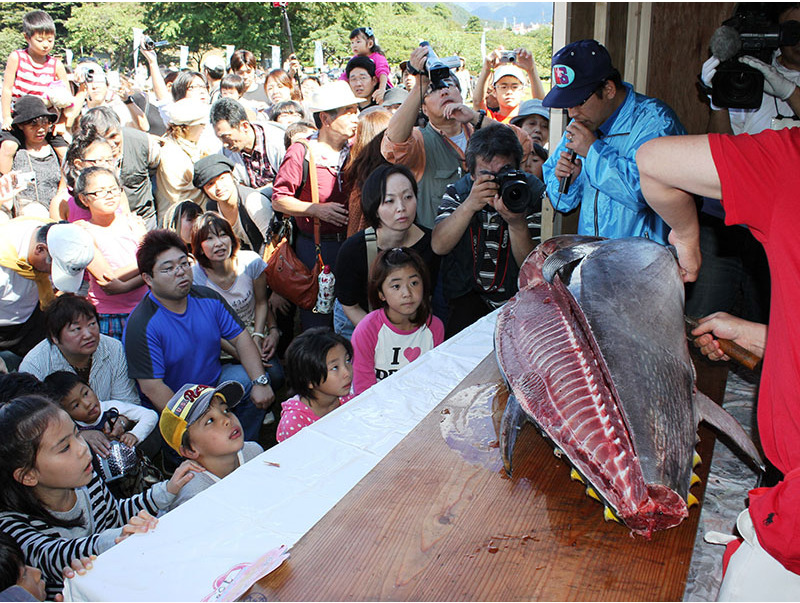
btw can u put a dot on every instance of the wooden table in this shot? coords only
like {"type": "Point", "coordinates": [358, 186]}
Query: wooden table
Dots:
{"type": "Point", "coordinates": [437, 519]}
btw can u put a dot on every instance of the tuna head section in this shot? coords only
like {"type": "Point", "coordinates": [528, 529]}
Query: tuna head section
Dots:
{"type": "Point", "coordinates": [559, 377]}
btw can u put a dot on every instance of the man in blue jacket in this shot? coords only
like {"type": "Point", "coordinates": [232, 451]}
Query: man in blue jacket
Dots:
{"type": "Point", "coordinates": [609, 122]}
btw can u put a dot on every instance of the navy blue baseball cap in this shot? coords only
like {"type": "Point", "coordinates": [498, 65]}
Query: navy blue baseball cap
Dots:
{"type": "Point", "coordinates": [578, 69]}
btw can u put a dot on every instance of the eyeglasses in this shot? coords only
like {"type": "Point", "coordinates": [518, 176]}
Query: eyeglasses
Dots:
{"type": "Point", "coordinates": [102, 160]}
{"type": "Point", "coordinates": [197, 87]}
{"type": "Point", "coordinates": [595, 91]}
{"type": "Point", "coordinates": [507, 87]}
{"type": "Point", "coordinates": [170, 270]}
{"type": "Point", "coordinates": [38, 121]}
{"type": "Point", "coordinates": [104, 193]}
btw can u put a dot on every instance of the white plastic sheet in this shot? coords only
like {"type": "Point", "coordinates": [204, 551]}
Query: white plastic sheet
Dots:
{"type": "Point", "coordinates": [262, 506]}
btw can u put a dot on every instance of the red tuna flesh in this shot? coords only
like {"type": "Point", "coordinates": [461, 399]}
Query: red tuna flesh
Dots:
{"type": "Point", "coordinates": [558, 377]}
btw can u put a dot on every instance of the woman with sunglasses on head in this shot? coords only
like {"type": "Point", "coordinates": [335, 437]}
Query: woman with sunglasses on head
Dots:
{"type": "Point", "coordinates": [115, 286]}
{"type": "Point", "coordinates": [33, 154]}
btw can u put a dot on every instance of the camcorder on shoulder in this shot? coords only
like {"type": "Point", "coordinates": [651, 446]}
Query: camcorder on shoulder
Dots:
{"type": "Point", "coordinates": [753, 33]}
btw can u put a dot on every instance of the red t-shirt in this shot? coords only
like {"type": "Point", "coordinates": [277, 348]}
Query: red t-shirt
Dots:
{"type": "Point", "coordinates": [331, 185]}
{"type": "Point", "coordinates": [760, 187]}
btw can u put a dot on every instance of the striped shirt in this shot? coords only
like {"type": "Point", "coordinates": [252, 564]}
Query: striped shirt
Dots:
{"type": "Point", "coordinates": [32, 78]}
{"type": "Point", "coordinates": [108, 376]}
{"type": "Point", "coordinates": [490, 258]}
{"type": "Point", "coordinates": [51, 548]}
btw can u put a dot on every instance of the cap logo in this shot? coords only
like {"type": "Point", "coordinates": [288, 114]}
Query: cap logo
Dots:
{"type": "Point", "coordinates": [563, 75]}
{"type": "Point", "coordinates": [189, 396]}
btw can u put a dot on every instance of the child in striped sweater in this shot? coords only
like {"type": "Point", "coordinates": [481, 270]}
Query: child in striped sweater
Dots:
{"type": "Point", "coordinates": [52, 503]}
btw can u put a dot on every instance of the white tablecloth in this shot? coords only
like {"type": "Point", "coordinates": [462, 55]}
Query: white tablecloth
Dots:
{"type": "Point", "coordinates": [259, 507]}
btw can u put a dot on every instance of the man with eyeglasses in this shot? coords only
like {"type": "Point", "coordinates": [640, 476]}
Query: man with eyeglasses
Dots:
{"type": "Point", "coordinates": [435, 152]}
{"type": "Point", "coordinates": [173, 336]}
{"type": "Point", "coordinates": [361, 77]}
{"type": "Point", "coordinates": [597, 154]}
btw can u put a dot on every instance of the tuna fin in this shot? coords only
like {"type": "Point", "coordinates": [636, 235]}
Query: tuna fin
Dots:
{"type": "Point", "coordinates": [691, 500]}
{"type": "Point", "coordinates": [716, 416]}
{"type": "Point", "coordinates": [695, 479]}
{"type": "Point", "coordinates": [696, 460]}
{"type": "Point", "coordinates": [608, 515]}
{"type": "Point", "coordinates": [590, 492]}
{"type": "Point", "coordinates": [562, 261]}
{"type": "Point", "coordinates": [513, 420]}
{"type": "Point", "coordinates": [574, 475]}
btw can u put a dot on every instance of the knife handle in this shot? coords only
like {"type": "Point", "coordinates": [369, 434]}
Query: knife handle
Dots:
{"type": "Point", "coordinates": [741, 355]}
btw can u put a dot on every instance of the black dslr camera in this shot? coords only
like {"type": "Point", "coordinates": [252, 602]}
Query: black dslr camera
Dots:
{"type": "Point", "coordinates": [753, 33]}
{"type": "Point", "coordinates": [513, 189]}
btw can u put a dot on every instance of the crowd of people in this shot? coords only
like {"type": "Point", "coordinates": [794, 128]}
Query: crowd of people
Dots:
{"type": "Point", "coordinates": [159, 243]}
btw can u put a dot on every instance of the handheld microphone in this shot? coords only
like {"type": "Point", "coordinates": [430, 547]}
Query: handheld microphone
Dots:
{"type": "Point", "coordinates": [565, 181]}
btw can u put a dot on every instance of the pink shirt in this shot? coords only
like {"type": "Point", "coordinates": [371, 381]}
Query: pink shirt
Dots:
{"type": "Point", "coordinates": [76, 212]}
{"type": "Point", "coordinates": [118, 244]}
{"type": "Point", "coordinates": [380, 348]}
{"type": "Point", "coordinates": [381, 68]}
{"type": "Point", "coordinates": [295, 415]}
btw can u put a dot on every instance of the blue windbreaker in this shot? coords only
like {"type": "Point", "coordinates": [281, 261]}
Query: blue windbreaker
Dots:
{"type": "Point", "coordinates": [607, 188]}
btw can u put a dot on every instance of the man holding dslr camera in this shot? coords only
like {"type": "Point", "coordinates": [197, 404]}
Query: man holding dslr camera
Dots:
{"type": "Point", "coordinates": [434, 153]}
{"type": "Point", "coordinates": [488, 222]}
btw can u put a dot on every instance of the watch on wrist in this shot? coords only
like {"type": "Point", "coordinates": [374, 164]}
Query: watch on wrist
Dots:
{"type": "Point", "coordinates": [128, 100]}
{"type": "Point", "coordinates": [262, 380]}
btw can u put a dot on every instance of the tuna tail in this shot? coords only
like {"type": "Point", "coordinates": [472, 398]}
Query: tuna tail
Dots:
{"type": "Point", "coordinates": [716, 416]}
{"type": "Point", "coordinates": [513, 420]}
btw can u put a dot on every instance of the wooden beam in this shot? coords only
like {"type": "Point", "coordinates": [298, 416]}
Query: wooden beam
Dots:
{"type": "Point", "coordinates": [551, 219]}
{"type": "Point", "coordinates": [601, 22]}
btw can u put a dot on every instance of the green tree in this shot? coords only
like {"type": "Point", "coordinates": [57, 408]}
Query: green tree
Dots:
{"type": "Point", "coordinates": [116, 35]}
{"type": "Point", "coordinates": [474, 25]}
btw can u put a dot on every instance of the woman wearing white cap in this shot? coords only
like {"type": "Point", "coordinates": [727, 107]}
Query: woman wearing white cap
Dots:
{"type": "Point", "coordinates": [187, 120]}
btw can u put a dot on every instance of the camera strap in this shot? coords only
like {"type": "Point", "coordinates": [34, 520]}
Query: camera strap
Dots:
{"type": "Point", "coordinates": [479, 259]}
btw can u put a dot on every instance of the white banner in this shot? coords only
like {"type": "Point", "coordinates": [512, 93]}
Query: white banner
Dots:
{"type": "Point", "coordinates": [184, 61]}
{"type": "Point", "coordinates": [276, 57]}
{"type": "Point", "coordinates": [229, 50]}
{"type": "Point", "coordinates": [137, 40]}
{"type": "Point", "coordinates": [319, 59]}
{"type": "Point", "coordinates": [68, 56]}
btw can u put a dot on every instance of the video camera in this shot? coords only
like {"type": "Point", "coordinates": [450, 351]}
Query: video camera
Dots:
{"type": "Point", "coordinates": [438, 70]}
{"type": "Point", "coordinates": [753, 33]}
{"type": "Point", "coordinates": [149, 44]}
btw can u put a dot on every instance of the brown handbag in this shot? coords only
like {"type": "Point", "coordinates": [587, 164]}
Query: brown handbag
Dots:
{"type": "Point", "coordinates": [286, 274]}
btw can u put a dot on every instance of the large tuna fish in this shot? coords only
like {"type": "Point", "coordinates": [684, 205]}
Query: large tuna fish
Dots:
{"type": "Point", "coordinates": [594, 351]}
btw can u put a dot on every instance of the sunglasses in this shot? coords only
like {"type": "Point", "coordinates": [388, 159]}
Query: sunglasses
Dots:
{"type": "Point", "coordinates": [38, 121]}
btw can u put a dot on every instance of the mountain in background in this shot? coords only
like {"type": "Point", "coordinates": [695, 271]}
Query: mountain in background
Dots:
{"type": "Point", "coordinates": [524, 12]}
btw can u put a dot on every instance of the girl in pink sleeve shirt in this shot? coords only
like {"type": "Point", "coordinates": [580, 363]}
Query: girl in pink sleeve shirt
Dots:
{"type": "Point", "coordinates": [319, 369]}
{"type": "Point", "coordinates": [402, 328]}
